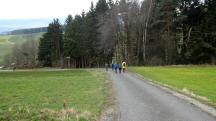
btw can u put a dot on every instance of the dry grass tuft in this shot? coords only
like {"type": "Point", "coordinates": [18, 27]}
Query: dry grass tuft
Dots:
{"type": "Point", "coordinates": [65, 114]}
{"type": "Point", "coordinates": [188, 92]}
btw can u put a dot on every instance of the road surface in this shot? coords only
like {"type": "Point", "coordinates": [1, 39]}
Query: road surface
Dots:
{"type": "Point", "coordinates": [141, 101]}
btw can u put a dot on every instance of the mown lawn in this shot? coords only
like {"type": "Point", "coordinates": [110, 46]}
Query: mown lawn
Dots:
{"type": "Point", "coordinates": [44, 95]}
{"type": "Point", "coordinates": [200, 81]}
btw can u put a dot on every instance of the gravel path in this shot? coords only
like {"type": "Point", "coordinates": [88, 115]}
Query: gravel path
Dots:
{"type": "Point", "coordinates": [141, 101]}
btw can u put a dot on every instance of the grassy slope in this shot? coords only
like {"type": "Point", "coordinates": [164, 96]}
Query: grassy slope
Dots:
{"type": "Point", "coordinates": [3, 39]}
{"type": "Point", "coordinates": [5, 47]}
{"type": "Point", "coordinates": [83, 90]}
{"type": "Point", "coordinates": [199, 80]}
{"type": "Point", "coordinates": [6, 42]}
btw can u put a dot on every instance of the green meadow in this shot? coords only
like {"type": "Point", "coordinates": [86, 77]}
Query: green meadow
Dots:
{"type": "Point", "coordinates": [69, 95]}
{"type": "Point", "coordinates": [197, 81]}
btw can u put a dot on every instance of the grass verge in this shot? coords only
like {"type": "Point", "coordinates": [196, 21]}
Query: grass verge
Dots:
{"type": "Point", "coordinates": [198, 82]}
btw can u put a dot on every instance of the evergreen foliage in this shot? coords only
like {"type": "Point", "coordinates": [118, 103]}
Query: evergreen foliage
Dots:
{"type": "Point", "coordinates": [51, 45]}
{"type": "Point", "coordinates": [153, 32]}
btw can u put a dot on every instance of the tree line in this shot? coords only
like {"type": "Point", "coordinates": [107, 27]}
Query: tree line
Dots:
{"type": "Point", "coordinates": [162, 32]}
{"type": "Point", "coordinates": [151, 32]}
{"type": "Point", "coordinates": [27, 31]}
{"type": "Point", "coordinates": [76, 43]}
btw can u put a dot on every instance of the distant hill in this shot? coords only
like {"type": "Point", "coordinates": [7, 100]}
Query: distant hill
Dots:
{"type": "Point", "coordinates": [7, 42]}
{"type": "Point", "coordinates": [28, 31]}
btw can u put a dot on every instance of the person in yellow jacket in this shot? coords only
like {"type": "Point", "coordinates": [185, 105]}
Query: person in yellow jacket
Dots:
{"type": "Point", "coordinates": [124, 66]}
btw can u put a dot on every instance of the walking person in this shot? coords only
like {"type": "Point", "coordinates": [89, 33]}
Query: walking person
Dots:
{"type": "Point", "coordinates": [106, 66]}
{"type": "Point", "coordinates": [116, 66]}
{"type": "Point", "coordinates": [113, 66]}
{"type": "Point", "coordinates": [14, 66]}
{"type": "Point", "coordinates": [124, 66]}
{"type": "Point", "coordinates": [120, 68]}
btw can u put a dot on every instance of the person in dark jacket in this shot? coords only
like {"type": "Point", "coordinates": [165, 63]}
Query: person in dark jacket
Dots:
{"type": "Point", "coordinates": [116, 66]}
{"type": "Point", "coordinates": [113, 66]}
{"type": "Point", "coordinates": [106, 66]}
{"type": "Point", "coordinates": [120, 68]}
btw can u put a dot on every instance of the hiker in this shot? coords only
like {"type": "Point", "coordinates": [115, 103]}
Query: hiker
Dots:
{"type": "Point", "coordinates": [106, 66]}
{"type": "Point", "coordinates": [124, 66]}
{"type": "Point", "coordinates": [120, 68]}
{"type": "Point", "coordinates": [116, 66]}
{"type": "Point", "coordinates": [112, 66]}
{"type": "Point", "coordinates": [14, 66]}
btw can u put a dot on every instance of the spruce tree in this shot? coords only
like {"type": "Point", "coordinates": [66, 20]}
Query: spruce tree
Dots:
{"type": "Point", "coordinates": [51, 45]}
{"type": "Point", "coordinates": [44, 54]}
{"type": "Point", "coordinates": [68, 37]}
{"type": "Point", "coordinates": [101, 7]}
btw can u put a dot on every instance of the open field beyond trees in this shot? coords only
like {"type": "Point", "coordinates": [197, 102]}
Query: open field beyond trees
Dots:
{"type": "Point", "coordinates": [52, 95]}
{"type": "Point", "coordinates": [7, 42]}
{"type": "Point", "coordinates": [199, 82]}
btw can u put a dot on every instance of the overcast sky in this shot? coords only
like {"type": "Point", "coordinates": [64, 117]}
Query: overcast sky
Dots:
{"type": "Point", "coordinates": [17, 14]}
{"type": "Point", "coordinates": [40, 9]}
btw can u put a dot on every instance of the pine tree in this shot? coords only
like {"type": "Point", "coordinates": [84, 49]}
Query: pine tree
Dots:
{"type": "Point", "coordinates": [207, 46]}
{"type": "Point", "coordinates": [44, 54]}
{"type": "Point", "coordinates": [68, 37]}
{"type": "Point", "coordinates": [101, 7]}
{"type": "Point", "coordinates": [51, 45]}
{"type": "Point", "coordinates": [193, 15]}
{"type": "Point", "coordinates": [92, 30]}
{"type": "Point", "coordinates": [162, 31]}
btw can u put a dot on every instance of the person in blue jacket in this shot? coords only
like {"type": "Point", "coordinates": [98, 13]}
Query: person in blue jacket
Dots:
{"type": "Point", "coordinates": [116, 67]}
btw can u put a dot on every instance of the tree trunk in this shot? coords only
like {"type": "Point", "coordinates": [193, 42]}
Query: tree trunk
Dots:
{"type": "Point", "coordinates": [82, 62]}
{"type": "Point", "coordinates": [145, 31]}
{"type": "Point", "coordinates": [189, 34]}
{"type": "Point", "coordinates": [61, 61]}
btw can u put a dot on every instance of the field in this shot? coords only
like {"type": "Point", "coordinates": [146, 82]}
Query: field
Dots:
{"type": "Point", "coordinates": [5, 46]}
{"type": "Point", "coordinates": [8, 41]}
{"type": "Point", "coordinates": [43, 94]}
{"type": "Point", "coordinates": [198, 82]}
